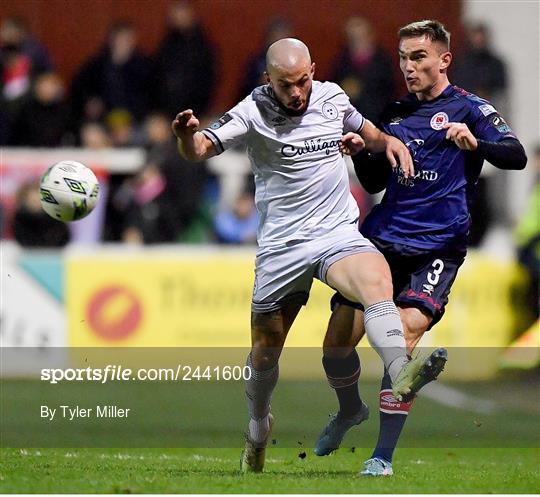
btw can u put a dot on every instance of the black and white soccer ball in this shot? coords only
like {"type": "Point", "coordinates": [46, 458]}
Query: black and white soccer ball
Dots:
{"type": "Point", "coordinates": [69, 191]}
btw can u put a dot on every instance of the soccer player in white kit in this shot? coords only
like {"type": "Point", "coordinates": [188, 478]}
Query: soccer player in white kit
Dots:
{"type": "Point", "coordinates": [296, 130]}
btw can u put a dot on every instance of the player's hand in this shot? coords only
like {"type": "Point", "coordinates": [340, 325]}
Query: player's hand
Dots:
{"type": "Point", "coordinates": [398, 153]}
{"type": "Point", "coordinates": [185, 123]}
{"type": "Point", "coordinates": [351, 143]}
{"type": "Point", "coordinates": [461, 135]}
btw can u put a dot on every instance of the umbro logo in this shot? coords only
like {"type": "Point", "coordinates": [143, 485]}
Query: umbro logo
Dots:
{"type": "Point", "coordinates": [278, 120]}
{"type": "Point", "coordinates": [395, 120]}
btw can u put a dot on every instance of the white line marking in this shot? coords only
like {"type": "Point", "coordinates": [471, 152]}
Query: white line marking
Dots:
{"type": "Point", "coordinates": [448, 396]}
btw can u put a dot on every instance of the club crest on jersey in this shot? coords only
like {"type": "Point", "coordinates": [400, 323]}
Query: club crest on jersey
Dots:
{"type": "Point", "coordinates": [329, 110]}
{"type": "Point", "coordinates": [439, 120]}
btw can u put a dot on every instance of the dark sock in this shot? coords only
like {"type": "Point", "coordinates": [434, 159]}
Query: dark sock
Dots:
{"type": "Point", "coordinates": [343, 374]}
{"type": "Point", "coordinates": [393, 415]}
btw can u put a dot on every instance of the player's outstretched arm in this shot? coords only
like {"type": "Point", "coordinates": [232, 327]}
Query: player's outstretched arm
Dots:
{"type": "Point", "coordinates": [351, 143]}
{"type": "Point", "coordinates": [505, 154]}
{"type": "Point", "coordinates": [395, 150]}
{"type": "Point", "coordinates": [192, 144]}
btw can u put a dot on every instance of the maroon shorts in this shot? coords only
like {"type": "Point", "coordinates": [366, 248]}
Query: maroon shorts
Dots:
{"type": "Point", "coordinates": [422, 280]}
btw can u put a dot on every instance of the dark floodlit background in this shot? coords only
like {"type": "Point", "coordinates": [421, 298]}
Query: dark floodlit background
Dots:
{"type": "Point", "coordinates": [165, 260]}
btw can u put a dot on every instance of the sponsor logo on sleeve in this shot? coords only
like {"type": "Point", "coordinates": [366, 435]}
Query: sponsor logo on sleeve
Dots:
{"type": "Point", "coordinates": [487, 109]}
{"type": "Point", "coordinates": [224, 119]}
{"type": "Point", "coordinates": [500, 124]}
{"type": "Point", "coordinates": [439, 120]}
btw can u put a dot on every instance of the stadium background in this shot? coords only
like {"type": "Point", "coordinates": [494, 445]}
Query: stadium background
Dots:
{"type": "Point", "coordinates": [92, 294]}
{"type": "Point", "coordinates": [471, 319]}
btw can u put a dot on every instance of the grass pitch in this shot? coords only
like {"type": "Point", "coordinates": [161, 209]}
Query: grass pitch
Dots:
{"type": "Point", "coordinates": [442, 450]}
{"type": "Point", "coordinates": [216, 471]}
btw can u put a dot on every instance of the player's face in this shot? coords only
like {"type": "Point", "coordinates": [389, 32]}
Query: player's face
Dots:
{"type": "Point", "coordinates": [292, 87]}
{"type": "Point", "coordinates": [423, 63]}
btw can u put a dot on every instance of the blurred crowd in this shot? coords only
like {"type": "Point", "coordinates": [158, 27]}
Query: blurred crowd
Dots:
{"type": "Point", "coordinates": [124, 97]}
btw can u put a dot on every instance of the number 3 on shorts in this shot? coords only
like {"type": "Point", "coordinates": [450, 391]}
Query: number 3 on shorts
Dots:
{"type": "Point", "coordinates": [433, 276]}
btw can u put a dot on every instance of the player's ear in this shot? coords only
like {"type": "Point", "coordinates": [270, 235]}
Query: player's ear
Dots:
{"type": "Point", "coordinates": [446, 59]}
{"type": "Point", "coordinates": [267, 78]}
{"type": "Point", "coordinates": [312, 69]}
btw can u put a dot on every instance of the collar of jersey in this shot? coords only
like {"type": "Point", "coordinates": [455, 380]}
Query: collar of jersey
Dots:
{"type": "Point", "coordinates": [444, 94]}
{"type": "Point", "coordinates": [269, 92]}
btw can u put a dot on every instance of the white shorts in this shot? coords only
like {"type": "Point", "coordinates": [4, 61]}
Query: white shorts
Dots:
{"type": "Point", "coordinates": [284, 274]}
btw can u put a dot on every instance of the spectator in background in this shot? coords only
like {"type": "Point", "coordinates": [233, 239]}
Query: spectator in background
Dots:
{"type": "Point", "coordinates": [523, 352]}
{"type": "Point", "coordinates": [22, 57]}
{"type": "Point", "coordinates": [32, 227]}
{"type": "Point", "coordinates": [254, 70]}
{"type": "Point", "coordinates": [159, 204]}
{"type": "Point", "coordinates": [94, 136]}
{"type": "Point", "coordinates": [239, 224]}
{"type": "Point", "coordinates": [16, 73]}
{"type": "Point", "coordinates": [151, 216]}
{"type": "Point", "coordinates": [42, 120]}
{"type": "Point", "coordinates": [121, 128]}
{"type": "Point", "coordinates": [184, 64]}
{"type": "Point", "coordinates": [527, 237]}
{"type": "Point", "coordinates": [478, 69]}
{"type": "Point", "coordinates": [121, 134]}
{"type": "Point", "coordinates": [186, 180]}
{"type": "Point", "coordinates": [118, 77]}
{"type": "Point", "coordinates": [481, 72]}
{"type": "Point", "coordinates": [14, 32]}
{"type": "Point", "coordinates": [364, 69]}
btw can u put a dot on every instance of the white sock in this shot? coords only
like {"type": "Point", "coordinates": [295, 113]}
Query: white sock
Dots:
{"type": "Point", "coordinates": [259, 388]}
{"type": "Point", "coordinates": [258, 429]}
{"type": "Point", "coordinates": [385, 334]}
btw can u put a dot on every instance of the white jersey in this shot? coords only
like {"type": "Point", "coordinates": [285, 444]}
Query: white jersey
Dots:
{"type": "Point", "coordinates": [301, 180]}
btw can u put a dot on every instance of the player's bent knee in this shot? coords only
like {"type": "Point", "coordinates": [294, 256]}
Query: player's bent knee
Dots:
{"type": "Point", "coordinates": [386, 287]}
{"type": "Point", "coordinates": [337, 352]}
{"type": "Point", "coordinates": [338, 345]}
{"type": "Point", "coordinates": [378, 288]}
{"type": "Point", "coordinates": [265, 355]}
{"type": "Point", "coordinates": [264, 360]}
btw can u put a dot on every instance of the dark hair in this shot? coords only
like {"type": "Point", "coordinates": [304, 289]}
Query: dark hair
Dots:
{"type": "Point", "coordinates": [120, 25]}
{"type": "Point", "coordinates": [434, 30]}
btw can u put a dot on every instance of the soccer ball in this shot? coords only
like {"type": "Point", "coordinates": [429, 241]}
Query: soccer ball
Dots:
{"type": "Point", "coordinates": [69, 191]}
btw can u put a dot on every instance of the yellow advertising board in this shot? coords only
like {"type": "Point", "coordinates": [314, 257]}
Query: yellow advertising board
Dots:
{"type": "Point", "coordinates": [202, 298]}
{"type": "Point", "coordinates": [188, 300]}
